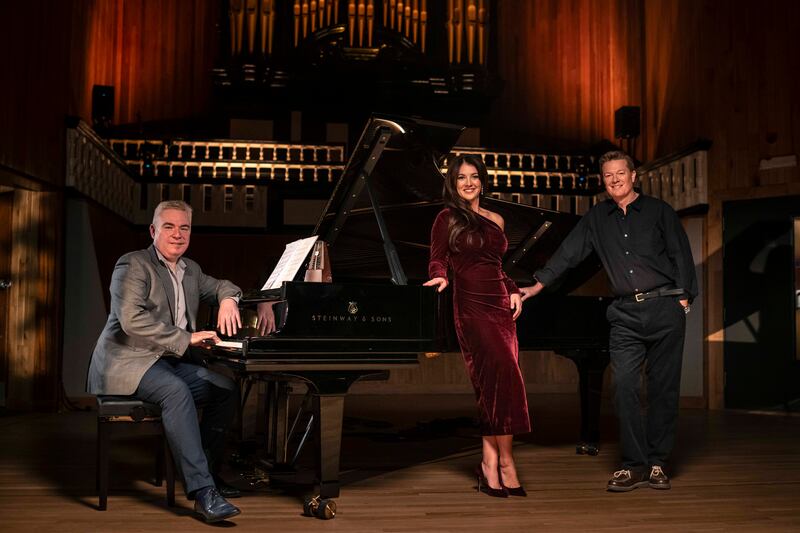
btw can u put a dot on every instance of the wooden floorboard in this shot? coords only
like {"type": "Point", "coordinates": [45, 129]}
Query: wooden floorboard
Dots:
{"type": "Point", "coordinates": [407, 464]}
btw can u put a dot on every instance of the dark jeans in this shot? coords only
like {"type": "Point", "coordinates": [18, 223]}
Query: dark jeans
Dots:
{"type": "Point", "coordinates": [647, 334]}
{"type": "Point", "coordinates": [179, 388]}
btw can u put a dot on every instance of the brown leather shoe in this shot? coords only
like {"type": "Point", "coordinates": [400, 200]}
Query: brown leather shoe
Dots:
{"type": "Point", "coordinates": [625, 480]}
{"type": "Point", "coordinates": [658, 479]}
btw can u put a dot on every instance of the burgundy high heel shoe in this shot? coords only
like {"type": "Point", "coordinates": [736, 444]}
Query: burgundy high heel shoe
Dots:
{"type": "Point", "coordinates": [512, 491]}
{"type": "Point", "coordinates": [483, 485]}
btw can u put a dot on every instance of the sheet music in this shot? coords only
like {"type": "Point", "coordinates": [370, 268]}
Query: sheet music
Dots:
{"type": "Point", "coordinates": [290, 262]}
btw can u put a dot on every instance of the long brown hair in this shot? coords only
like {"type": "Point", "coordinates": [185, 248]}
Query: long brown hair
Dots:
{"type": "Point", "coordinates": [462, 217]}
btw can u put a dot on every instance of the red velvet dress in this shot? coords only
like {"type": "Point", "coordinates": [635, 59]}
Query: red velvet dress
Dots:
{"type": "Point", "coordinates": [484, 323]}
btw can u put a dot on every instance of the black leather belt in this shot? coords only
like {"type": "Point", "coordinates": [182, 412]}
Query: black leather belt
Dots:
{"type": "Point", "coordinates": [642, 296]}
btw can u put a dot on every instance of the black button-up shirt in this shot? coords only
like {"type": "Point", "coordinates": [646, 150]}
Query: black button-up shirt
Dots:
{"type": "Point", "coordinates": [643, 249]}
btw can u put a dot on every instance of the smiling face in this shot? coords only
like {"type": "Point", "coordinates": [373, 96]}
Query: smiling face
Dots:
{"type": "Point", "coordinates": [619, 179]}
{"type": "Point", "coordinates": [468, 183]}
{"type": "Point", "coordinates": [170, 231]}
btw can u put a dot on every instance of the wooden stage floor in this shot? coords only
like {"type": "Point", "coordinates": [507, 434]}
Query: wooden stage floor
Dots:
{"type": "Point", "coordinates": [407, 464]}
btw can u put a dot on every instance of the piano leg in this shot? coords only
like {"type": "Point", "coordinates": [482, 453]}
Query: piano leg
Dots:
{"type": "Point", "coordinates": [329, 413]}
{"type": "Point", "coordinates": [328, 392]}
{"type": "Point", "coordinates": [591, 367]}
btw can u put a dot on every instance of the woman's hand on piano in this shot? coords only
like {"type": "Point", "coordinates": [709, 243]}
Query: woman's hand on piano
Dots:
{"type": "Point", "coordinates": [204, 339]}
{"type": "Point", "coordinates": [266, 318]}
{"type": "Point", "coordinates": [439, 283]}
{"type": "Point", "coordinates": [228, 319]}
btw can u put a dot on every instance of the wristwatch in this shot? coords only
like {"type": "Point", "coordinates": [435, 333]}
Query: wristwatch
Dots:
{"type": "Point", "coordinates": [687, 309]}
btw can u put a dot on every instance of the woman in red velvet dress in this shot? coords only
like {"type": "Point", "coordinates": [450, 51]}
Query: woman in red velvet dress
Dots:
{"type": "Point", "coordinates": [468, 241]}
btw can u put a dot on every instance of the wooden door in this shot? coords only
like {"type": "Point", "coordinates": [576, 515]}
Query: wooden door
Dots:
{"type": "Point", "coordinates": [761, 371]}
{"type": "Point", "coordinates": [6, 204]}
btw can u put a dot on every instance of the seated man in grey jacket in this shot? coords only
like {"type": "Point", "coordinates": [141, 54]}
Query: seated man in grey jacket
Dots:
{"type": "Point", "coordinates": [155, 295]}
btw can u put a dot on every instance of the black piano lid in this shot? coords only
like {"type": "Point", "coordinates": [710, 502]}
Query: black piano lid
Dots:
{"type": "Point", "coordinates": [406, 172]}
{"type": "Point", "coordinates": [407, 184]}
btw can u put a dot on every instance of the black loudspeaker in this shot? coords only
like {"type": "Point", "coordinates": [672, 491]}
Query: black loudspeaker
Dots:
{"type": "Point", "coordinates": [627, 122]}
{"type": "Point", "coordinates": [102, 106]}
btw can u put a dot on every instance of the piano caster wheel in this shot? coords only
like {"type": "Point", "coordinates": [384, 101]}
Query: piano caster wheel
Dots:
{"type": "Point", "coordinates": [587, 449]}
{"type": "Point", "coordinates": [309, 506]}
{"type": "Point", "coordinates": [324, 509]}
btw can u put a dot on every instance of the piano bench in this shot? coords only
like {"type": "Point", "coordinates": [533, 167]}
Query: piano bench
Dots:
{"type": "Point", "coordinates": [126, 416]}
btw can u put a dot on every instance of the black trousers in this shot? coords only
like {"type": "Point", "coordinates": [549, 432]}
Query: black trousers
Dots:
{"type": "Point", "coordinates": [179, 387]}
{"type": "Point", "coordinates": [647, 335]}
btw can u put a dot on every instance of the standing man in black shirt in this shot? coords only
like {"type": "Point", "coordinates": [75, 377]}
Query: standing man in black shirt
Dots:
{"type": "Point", "coordinates": [646, 254]}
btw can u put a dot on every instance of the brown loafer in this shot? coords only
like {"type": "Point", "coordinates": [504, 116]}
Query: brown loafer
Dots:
{"type": "Point", "coordinates": [626, 480]}
{"type": "Point", "coordinates": [658, 479]}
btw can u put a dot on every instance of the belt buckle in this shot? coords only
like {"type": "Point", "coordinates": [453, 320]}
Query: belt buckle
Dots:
{"type": "Point", "coordinates": [639, 297]}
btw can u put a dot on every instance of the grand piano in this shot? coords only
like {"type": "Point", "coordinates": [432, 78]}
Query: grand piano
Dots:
{"type": "Point", "coordinates": [375, 316]}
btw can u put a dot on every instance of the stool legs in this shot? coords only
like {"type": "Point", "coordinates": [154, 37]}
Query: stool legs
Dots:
{"type": "Point", "coordinates": [160, 463]}
{"type": "Point", "coordinates": [165, 467]}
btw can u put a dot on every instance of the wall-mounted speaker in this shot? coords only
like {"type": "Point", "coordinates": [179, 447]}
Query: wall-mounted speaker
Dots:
{"type": "Point", "coordinates": [102, 107]}
{"type": "Point", "coordinates": [627, 122]}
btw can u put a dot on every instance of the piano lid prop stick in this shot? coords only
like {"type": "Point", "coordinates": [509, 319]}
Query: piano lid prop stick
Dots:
{"type": "Point", "coordinates": [529, 243]}
{"type": "Point", "coordinates": [395, 267]}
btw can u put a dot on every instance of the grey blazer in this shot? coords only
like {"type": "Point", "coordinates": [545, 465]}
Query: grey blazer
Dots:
{"type": "Point", "coordinates": [141, 325]}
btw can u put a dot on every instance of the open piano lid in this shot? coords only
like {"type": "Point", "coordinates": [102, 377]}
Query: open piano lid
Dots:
{"type": "Point", "coordinates": [406, 183]}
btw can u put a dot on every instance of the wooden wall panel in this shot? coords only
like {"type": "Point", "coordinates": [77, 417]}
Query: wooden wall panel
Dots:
{"type": "Point", "coordinates": [6, 209]}
{"type": "Point", "coordinates": [34, 326]}
{"type": "Point", "coordinates": [34, 88]}
{"type": "Point", "coordinates": [729, 72]}
{"type": "Point", "coordinates": [157, 55]}
{"type": "Point", "coordinates": [567, 66]}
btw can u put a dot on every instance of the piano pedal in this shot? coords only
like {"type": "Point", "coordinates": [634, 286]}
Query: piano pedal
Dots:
{"type": "Point", "coordinates": [324, 509]}
{"type": "Point", "coordinates": [587, 449]}
{"type": "Point", "coordinates": [256, 477]}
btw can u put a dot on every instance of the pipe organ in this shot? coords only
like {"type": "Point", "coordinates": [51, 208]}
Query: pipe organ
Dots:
{"type": "Point", "coordinates": [256, 26]}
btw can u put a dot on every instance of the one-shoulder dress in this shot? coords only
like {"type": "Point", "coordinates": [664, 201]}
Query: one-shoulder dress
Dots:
{"type": "Point", "coordinates": [484, 323]}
